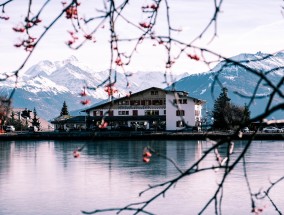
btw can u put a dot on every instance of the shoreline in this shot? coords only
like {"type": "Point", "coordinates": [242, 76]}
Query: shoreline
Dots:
{"type": "Point", "coordinates": [138, 135]}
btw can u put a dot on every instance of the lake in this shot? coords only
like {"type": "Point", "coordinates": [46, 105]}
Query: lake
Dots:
{"type": "Point", "coordinates": [43, 177]}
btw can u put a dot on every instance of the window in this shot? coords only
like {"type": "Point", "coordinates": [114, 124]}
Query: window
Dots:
{"type": "Point", "coordinates": [98, 113]}
{"type": "Point", "coordinates": [148, 102]}
{"type": "Point", "coordinates": [151, 112]}
{"type": "Point", "coordinates": [135, 112]}
{"type": "Point", "coordinates": [165, 112]}
{"type": "Point", "coordinates": [110, 112]}
{"type": "Point", "coordinates": [177, 101]}
{"type": "Point", "coordinates": [123, 102]}
{"type": "Point", "coordinates": [142, 102]}
{"type": "Point", "coordinates": [157, 102]}
{"type": "Point", "coordinates": [123, 112]}
{"type": "Point", "coordinates": [135, 102]}
{"type": "Point", "coordinates": [180, 124]}
{"type": "Point", "coordinates": [180, 113]}
{"type": "Point", "coordinates": [180, 101]}
{"type": "Point", "coordinates": [154, 92]}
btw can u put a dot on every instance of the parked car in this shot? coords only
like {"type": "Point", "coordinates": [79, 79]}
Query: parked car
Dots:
{"type": "Point", "coordinates": [9, 128]}
{"type": "Point", "coordinates": [272, 129]}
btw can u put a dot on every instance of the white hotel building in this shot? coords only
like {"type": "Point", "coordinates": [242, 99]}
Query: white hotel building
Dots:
{"type": "Point", "coordinates": [153, 108]}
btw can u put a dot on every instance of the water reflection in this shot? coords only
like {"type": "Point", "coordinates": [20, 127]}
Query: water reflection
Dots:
{"type": "Point", "coordinates": [37, 176]}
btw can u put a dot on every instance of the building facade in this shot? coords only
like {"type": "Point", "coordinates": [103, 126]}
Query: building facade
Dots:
{"type": "Point", "coordinates": [150, 109]}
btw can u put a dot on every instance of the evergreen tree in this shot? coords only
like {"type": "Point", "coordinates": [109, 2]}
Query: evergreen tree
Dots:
{"type": "Point", "coordinates": [227, 115]}
{"type": "Point", "coordinates": [246, 115]}
{"type": "Point", "coordinates": [35, 120]}
{"type": "Point", "coordinates": [220, 111]}
{"type": "Point", "coordinates": [17, 122]}
{"type": "Point", "coordinates": [12, 117]}
{"type": "Point", "coordinates": [64, 110]}
{"type": "Point", "coordinates": [4, 109]}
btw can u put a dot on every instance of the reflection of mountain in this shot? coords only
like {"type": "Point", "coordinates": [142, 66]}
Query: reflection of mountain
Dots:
{"type": "Point", "coordinates": [122, 157]}
{"type": "Point", "coordinates": [126, 156]}
{"type": "Point", "coordinates": [37, 176]}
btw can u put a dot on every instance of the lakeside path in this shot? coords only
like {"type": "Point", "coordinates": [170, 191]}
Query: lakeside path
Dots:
{"type": "Point", "coordinates": [138, 135]}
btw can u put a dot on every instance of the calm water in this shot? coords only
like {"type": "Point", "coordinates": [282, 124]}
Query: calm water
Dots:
{"type": "Point", "coordinates": [43, 178]}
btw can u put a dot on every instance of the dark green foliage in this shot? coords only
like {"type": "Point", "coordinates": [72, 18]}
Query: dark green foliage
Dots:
{"type": "Point", "coordinates": [64, 110]}
{"type": "Point", "coordinates": [4, 109]}
{"type": "Point", "coordinates": [227, 115]}
{"type": "Point", "coordinates": [12, 117]}
{"type": "Point", "coordinates": [26, 113]}
{"type": "Point", "coordinates": [246, 118]}
{"type": "Point", "coordinates": [17, 121]}
{"type": "Point", "coordinates": [221, 107]}
{"type": "Point", "coordinates": [35, 120]}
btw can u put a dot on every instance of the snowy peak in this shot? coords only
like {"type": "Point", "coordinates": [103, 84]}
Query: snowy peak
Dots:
{"type": "Point", "coordinates": [47, 68]}
{"type": "Point", "coordinates": [261, 60]}
{"type": "Point", "coordinates": [47, 85]}
{"type": "Point", "coordinates": [71, 59]}
{"type": "Point", "coordinates": [240, 81]}
{"type": "Point", "coordinates": [43, 68]}
{"type": "Point", "coordinates": [43, 84]}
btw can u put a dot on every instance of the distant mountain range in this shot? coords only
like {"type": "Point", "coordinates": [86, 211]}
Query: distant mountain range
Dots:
{"type": "Point", "coordinates": [239, 81]}
{"type": "Point", "coordinates": [47, 85]}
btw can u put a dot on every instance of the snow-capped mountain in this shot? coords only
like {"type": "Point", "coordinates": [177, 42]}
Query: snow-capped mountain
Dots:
{"type": "Point", "coordinates": [47, 85]}
{"type": "Point", "coordinates": [240, 81]}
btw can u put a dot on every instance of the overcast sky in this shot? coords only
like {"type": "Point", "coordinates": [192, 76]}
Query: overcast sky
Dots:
{"type": "Point", "coordinates": [244, 26]}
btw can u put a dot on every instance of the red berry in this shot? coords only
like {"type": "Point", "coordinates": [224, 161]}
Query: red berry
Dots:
{"type": "Point", "coordinates": [146, 159]}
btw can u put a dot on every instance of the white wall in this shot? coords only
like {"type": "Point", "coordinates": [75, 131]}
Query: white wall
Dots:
{"type": "Point", "coordinates": [171, 118]}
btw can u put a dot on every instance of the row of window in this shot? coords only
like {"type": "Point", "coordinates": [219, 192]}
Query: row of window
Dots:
{"type": "Point", "coordinates": [146, 113]}
{"type": "Point", "coordinates": [135, 113]}
{"type": "Point", "coordinates": [152, 112]}
{"type": "Point", "coordinates": [154, 92]}
{"type": "Point", "coordinates": [151, 102]}
{"type": "Point", "coordinates": [180, 101]}
{"type": "Point", "coordinates": [126, 113]}
{"type": "Point", "coordinates": [143, 102]}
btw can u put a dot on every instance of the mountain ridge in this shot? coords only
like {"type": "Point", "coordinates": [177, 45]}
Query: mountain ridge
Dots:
{"type": "Point", "coordinates": [48, 84]}
{"type": "Point", "coordinates": [239, 81]}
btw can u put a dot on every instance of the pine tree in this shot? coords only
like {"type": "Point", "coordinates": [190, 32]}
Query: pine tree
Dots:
{"type": "Point", "coordinates": [228, 115]}
{"type": "Point", "coordinates": [246, 115]}
{"type": "Point", "coordinates": [4, 109]}
{"type": "Point", "coordinates": [35, 120]}
{"type": "Point", "coordinates": [64, 110]}
{"type": "Point", "coordinates": [220, 112]}
{"type": "Point", "coordinates": [12, 118]}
